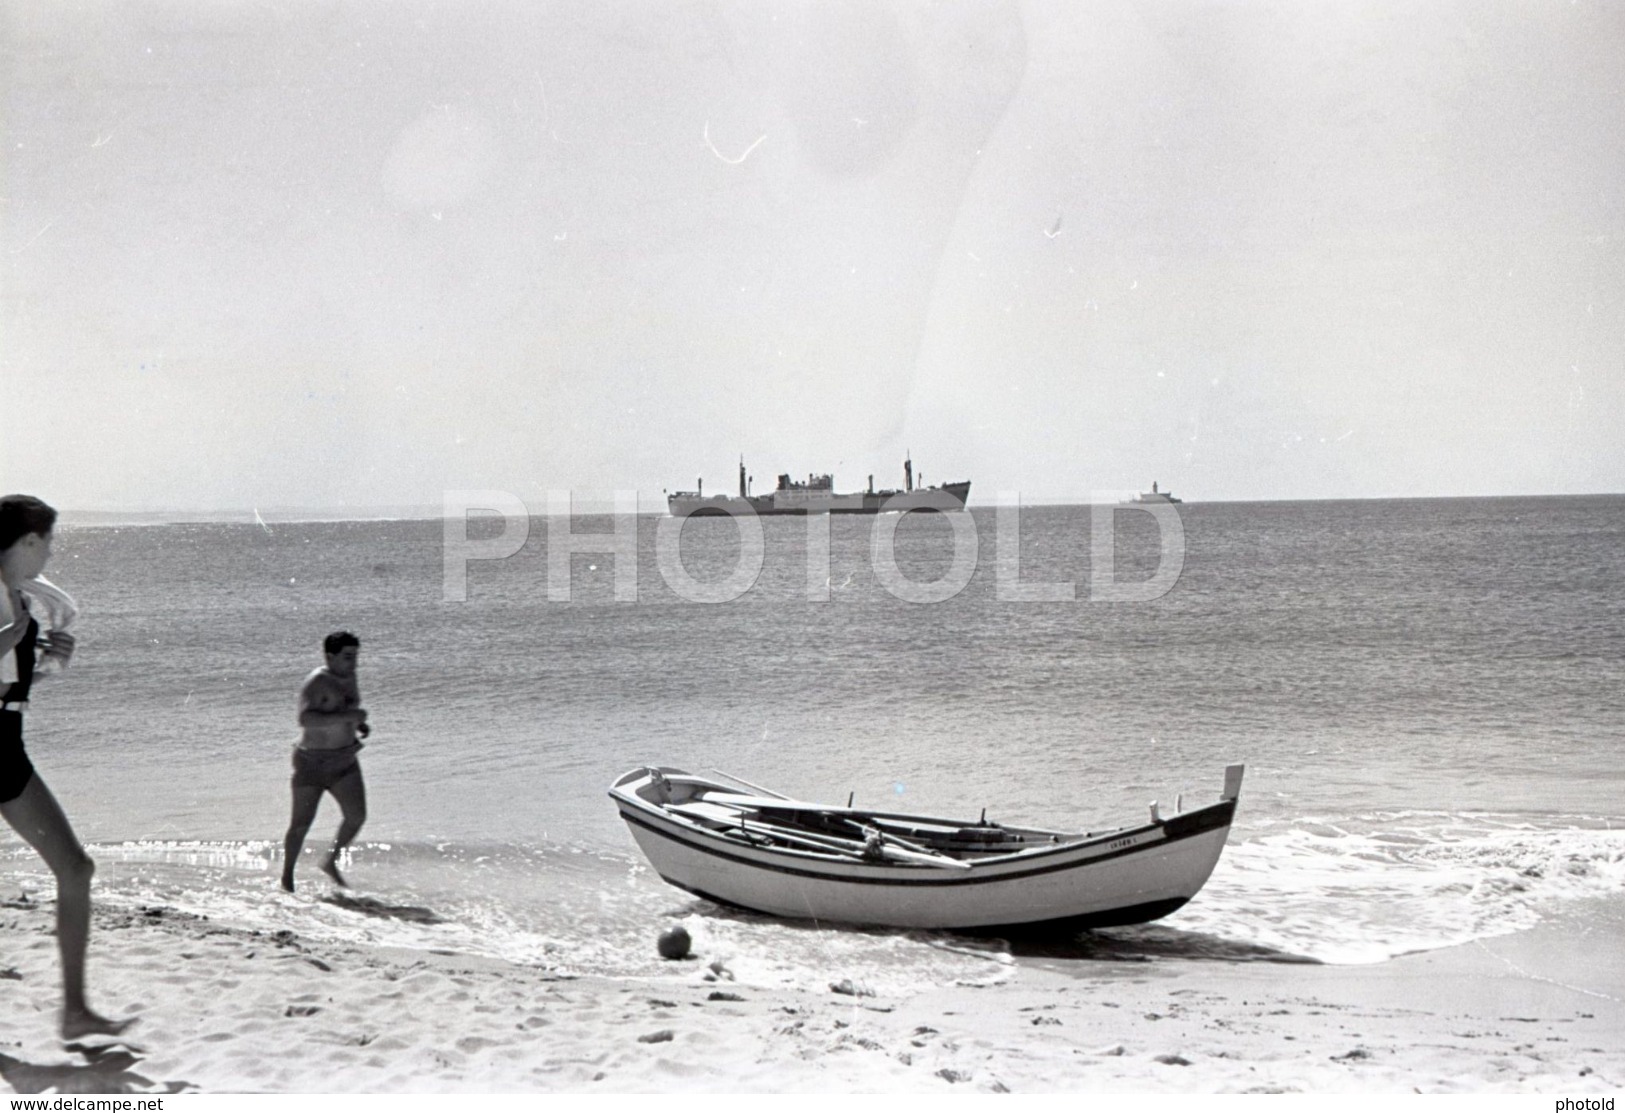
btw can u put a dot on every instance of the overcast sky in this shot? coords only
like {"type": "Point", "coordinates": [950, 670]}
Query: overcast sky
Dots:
{"type": "Point", "coordinates": [341, 255]}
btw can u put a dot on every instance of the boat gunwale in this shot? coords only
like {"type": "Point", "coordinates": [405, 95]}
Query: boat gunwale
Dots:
{"type": "Point", "coordinates": [1029, 862]}
{"type": "Point", "coordinates": [789, 803]}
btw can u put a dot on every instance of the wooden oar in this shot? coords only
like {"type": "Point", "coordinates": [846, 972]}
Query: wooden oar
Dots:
{"type": "Point", "coordinates": [888, 846]}
{"type": "Point", "coordinates": [753, 831]}
{"type": "Point", "coordinates": [731, 823]}
{"type": "Point", "coordinates": [905, 850]}
{"type": "Point", "coordinates": [747, 784]}
{"type": "Point", "coordinates": [871, 825]}
{"type": "Point", "coordinates": [936, 857]}
{"type": "Point", "coordinates": [739, 800]}
{"type": "Point", "coordinates": [826, 846]}
{"type": "Point", "coordinates": [899, 849]}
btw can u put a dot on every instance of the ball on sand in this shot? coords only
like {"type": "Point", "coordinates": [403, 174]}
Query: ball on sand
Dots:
{"type": "Point", "coordinates": [675, 943]}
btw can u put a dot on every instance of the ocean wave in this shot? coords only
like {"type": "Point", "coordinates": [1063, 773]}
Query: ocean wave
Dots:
{"type": "Point", "coordinates": [570, 909]}
{"type": "Point", "coordinates": [1366, 888]}
{"type": "Point", "coordinates": [1340, 889]}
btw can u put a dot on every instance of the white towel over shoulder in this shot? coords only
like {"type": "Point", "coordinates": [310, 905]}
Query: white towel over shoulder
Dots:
{"type": "Point", "coordinates": [52, 607]}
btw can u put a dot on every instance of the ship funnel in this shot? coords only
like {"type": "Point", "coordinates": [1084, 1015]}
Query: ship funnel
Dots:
{"type": "Point", "coordinates": [742, 477]}
{"type": "Point", "coordinates": [908, 473]}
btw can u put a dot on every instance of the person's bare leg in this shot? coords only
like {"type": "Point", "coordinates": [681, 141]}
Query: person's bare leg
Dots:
{"type": "Point", "coordinates": [39, 819]}
{"type": "Point", "coordinates": [351, 793]}
{"type": "Point", "coordinates": [306, 798]}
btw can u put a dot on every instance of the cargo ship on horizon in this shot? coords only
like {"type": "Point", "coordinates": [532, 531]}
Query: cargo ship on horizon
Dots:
{"type": "Point", "coordinates": [817, 495]}
{"type": "Point", "coordinates": [1154, 495]}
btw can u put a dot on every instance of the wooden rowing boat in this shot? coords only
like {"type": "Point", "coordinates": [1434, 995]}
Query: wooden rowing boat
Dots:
{"type": "Point", "coordinates": [756, 849]}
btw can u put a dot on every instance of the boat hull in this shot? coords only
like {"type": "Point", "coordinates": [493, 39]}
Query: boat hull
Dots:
{"type": "Point", "coordinates": [1130, 875]}
{"type": "Point", "coordinates": [949, 496]}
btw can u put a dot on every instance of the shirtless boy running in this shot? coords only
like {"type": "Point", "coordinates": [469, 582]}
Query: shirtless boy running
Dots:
{"type": "Point", "coordinates": [332, 724]}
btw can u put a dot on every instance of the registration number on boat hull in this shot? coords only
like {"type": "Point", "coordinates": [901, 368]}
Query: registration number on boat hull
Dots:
{"type": "Point", "coordinates": [1131, 840]}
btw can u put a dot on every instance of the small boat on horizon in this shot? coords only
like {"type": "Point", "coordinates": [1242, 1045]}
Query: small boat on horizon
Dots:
{"type": "Point", "coordinates": [818, 496]}
{"type": "Point", "coordinates": [742, 845]}
{"type": "Point", "coordinates": [1154, 495]}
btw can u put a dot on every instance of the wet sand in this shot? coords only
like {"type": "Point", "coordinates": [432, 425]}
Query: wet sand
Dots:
{"type": "Point", "coordinates": [228, 1010]}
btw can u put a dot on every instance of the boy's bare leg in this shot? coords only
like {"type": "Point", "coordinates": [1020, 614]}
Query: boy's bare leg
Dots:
{"type": "Point", "coordinates": [306, 798]}
{"type": "Point", "coordinates": [351, 793]}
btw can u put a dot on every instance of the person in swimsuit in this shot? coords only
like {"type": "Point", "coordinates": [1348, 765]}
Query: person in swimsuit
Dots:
{"type": "Point", "coordinates": [332, 724]}
{"type": "Point", "coordinates": [25, 801]}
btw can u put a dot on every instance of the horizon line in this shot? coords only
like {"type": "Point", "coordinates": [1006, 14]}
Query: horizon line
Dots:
{"type": "Point", "coordinates": [429, 511]}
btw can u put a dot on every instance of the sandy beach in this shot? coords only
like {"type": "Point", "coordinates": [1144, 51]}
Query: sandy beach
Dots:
{"type": "Point", "coordinates": [228, 1010]}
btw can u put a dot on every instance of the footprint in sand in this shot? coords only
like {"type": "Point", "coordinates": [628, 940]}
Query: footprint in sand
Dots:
{"type": "Point", "coordinates": [370, 906]}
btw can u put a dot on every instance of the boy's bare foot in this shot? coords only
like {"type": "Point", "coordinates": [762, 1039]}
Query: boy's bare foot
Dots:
{"type": "Point", "coordinates": [287, 882]}
{"type": "Point", "coordinates": [330, 867]}
{"type": "Point", "coordinates": [80, 1023]}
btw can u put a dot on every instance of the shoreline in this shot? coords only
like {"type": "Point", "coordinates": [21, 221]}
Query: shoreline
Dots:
{"type": "Point", "coordinates": [226, 1009]}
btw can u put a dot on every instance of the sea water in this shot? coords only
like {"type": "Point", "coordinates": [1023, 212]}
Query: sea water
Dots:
{"type": "Point", "coordinates": [1425, 694]}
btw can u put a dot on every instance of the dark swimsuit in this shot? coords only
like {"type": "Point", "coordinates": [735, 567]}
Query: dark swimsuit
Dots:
{"type": "Point", "coordinates": [323, 768]}
{"type": "Point", "coordinates": [15, 768]}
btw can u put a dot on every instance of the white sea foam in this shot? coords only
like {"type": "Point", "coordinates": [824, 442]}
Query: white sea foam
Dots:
{"type": "Point", "coordinates": [1368, 888]}
{"type": "Point", "coordinates": [568, 909]}
{"type": "Point", "coordinates": [1342, 889]}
